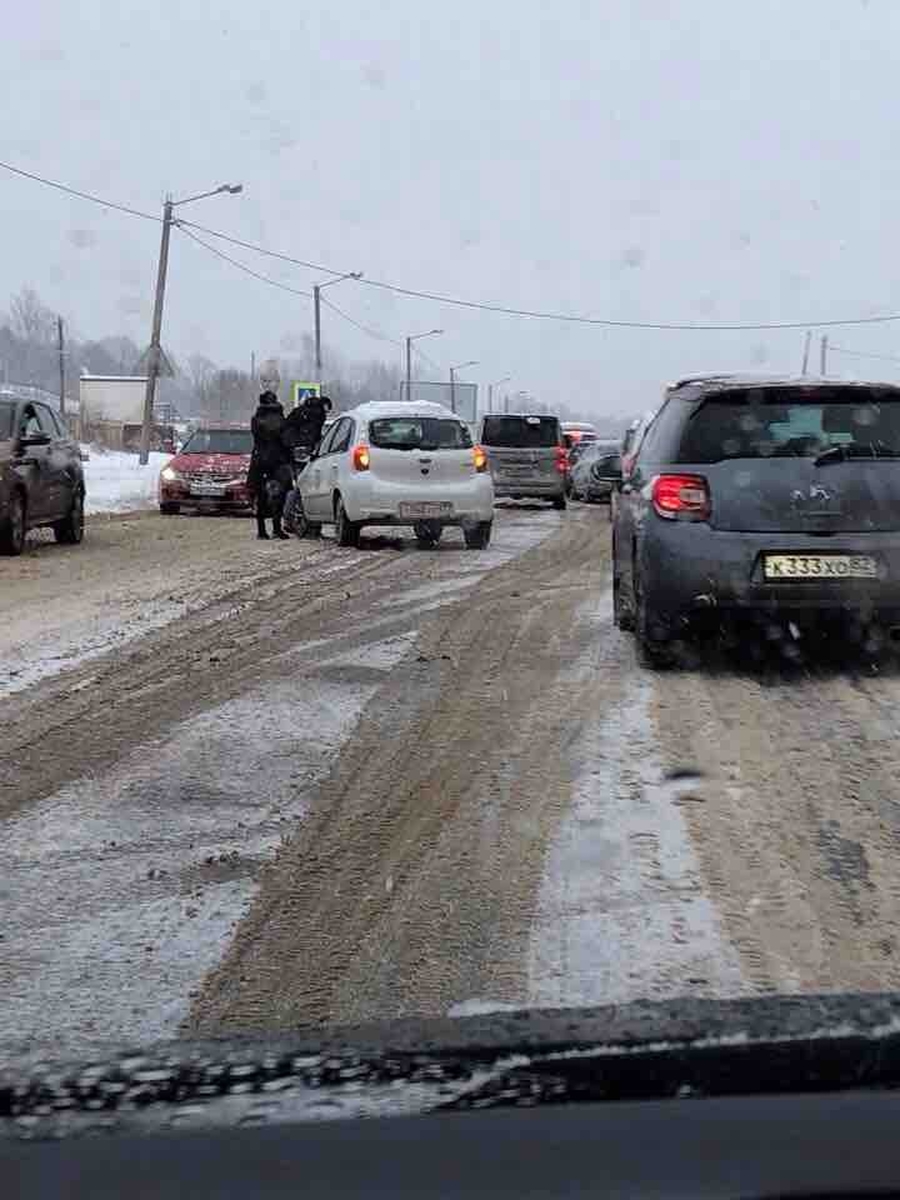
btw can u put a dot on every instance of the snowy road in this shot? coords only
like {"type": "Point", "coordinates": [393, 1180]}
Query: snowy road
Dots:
{"type": "Point", "coordinates": [248, 785]}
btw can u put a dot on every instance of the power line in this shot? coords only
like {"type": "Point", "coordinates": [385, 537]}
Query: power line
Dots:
{"type": "Point", "coordinates": [567, 318]}
{"type": "Point", "coordinates": [241, 266]}
{"type": "Point", "coordinates": [379, 336]}
{"type": "Point", "coordinates": [62, 187]}
{"type": "Point", "coordinates": [458, 302]}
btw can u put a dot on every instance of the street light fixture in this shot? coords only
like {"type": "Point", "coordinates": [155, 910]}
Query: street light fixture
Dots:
{"type": "Point", "coordinates": [317, 304]}
{"type": "Point", "coordinates": [491, 386]}
{"type": "Point", "coordinates": [453, 370]}
{"type": "Point", "coordinates": [154, 352]}
{"type": "Point", "coordinates": [409, 341]}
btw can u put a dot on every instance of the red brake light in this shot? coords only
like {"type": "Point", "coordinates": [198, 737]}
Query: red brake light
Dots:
{"type": "Point", "coordinates": [479, 456]}
{"type": "Point", "coordinates": [681, 496]}
{"type": "Point", "coordinates": [361, 458]}
{"type": "Point", "coordinates": [562, 459]}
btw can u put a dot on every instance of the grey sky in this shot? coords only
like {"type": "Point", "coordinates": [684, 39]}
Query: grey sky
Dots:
{"type": "Point", "coordinates": [698, 161]}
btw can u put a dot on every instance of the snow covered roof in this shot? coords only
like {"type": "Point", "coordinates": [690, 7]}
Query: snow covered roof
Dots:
{"type": "Point", "coordinates": [399, 408]}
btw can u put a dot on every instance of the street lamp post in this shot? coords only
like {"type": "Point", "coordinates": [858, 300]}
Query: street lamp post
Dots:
{"type": "Point", "coordinates": [491, 386]}
{"type": "Point", "coordinates": [409, 341]}
{"type": "Point", "coordinates": [154, 353]}
{"type": "Point", "coordinates": [317, 305]}
{"type": "Point", "coordinates": [453, 370]}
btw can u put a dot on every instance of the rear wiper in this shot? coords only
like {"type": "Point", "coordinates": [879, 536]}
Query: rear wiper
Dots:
{"type": "Point", "coordinates": [844, 451]}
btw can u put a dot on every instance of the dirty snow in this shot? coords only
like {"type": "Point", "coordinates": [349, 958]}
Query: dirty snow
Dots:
{"type": "Point", "coordinates": [622, 913]}
{"type": "Point", "coordinates": [121, 891]}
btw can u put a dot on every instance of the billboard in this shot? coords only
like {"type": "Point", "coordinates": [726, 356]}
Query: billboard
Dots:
{"type": "Point", "coordinates": [461, 398]}
{"type": "Point", "coordinates": [300, 389]}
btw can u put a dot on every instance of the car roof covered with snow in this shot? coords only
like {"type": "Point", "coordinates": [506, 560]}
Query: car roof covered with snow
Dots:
{"type": "Point", "coordinates": [375, 409]}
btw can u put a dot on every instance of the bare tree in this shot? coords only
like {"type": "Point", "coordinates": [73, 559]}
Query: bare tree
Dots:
{"type": "Point", "coordinates": [31, 320]}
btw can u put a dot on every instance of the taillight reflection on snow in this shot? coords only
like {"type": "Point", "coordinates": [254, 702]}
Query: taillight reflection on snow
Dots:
{"type": "Point", "coordinates": [684, 497]}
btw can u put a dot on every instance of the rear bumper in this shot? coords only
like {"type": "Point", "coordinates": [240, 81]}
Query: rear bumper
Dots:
{"type": "Point", "coordinates": [375, 503]}
{"type": "Point", "coordinates": [525, 489]}
{"type": "Point", "coordinates": [688, 568]}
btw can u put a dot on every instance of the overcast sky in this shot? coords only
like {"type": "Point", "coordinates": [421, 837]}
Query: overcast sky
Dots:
{"type": "Point", "coordinates": [633, 159]}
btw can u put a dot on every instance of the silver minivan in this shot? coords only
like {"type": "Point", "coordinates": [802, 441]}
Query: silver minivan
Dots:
{"type": "Point", "coordinates": [527, 456]}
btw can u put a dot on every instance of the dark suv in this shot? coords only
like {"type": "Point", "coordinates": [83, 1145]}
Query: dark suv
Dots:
{"type": "Point", "coordinates": [777, 499]}
{"type": "Point", "coordinates": [41, 478]}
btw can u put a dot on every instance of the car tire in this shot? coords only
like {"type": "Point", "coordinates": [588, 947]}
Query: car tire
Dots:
{"type": "Point", "coordinates": [623, 617]}
{"type": "Point", "coordinates": [654, 652]}
{"type": "Point", "coordinates": [170, 510]}
{"type": "Point", "coordinates": [346, 532]}
{"type": "Point", "coordinates": [428, 534]}
{"type": "Point", "coordinates": [478, 536]}
{"type": "Point", "coordinates": [70, 531]}
{"type": "Point", "coordinates": [560, 503]}
{"type": "Point", "coordinates": [300, 525]}
{"type": "Point", "coordinates": [12, 530]}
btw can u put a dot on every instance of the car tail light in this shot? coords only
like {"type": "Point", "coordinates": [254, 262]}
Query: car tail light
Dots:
{"type": "Point", "coordinates": [479, 457]}
{"type": "Point", "coordinates": [684, 497]}
{"type": "Point", "coordinates": [361, 458]}
{"type": "Point", "coordinates": [562, 459]}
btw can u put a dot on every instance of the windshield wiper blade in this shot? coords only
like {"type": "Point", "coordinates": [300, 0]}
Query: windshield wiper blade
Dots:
{"type": "Point", "coordinates": [844, 451]}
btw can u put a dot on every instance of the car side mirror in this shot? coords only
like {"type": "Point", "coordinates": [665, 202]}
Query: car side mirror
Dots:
{"type": "Point", "coordinates": [35, 439]}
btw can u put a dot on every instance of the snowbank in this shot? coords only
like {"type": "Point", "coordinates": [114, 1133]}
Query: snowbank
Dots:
{"type": "Point", "coordinates": [114, 482]}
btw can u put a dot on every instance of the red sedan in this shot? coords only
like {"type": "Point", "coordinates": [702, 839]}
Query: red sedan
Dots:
{"type": "Point", "coordinates": [209, 472]}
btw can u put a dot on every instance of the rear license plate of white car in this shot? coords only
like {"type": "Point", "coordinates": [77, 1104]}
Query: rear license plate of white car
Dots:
{"type": "Point", "coordinates": [819, 566]}
{"type": "Point", "coordinates": [427, 508]}
{"type": "Point", "coordinates": [207, 489]}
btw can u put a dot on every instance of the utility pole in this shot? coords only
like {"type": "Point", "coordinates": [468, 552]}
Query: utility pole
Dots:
{"type": "Point", "coordinates": [62, 366]}
{"type": "Point", "coordinates": [409, 368]}
{"type": "Point", "coordinates": [453, 389]}
{"type": "Point", "coordinates": [823, 349]}
{"type": "Point", "coordinates": [153, 355]}
{"type": "Point", "coordinates": [317, 302]}
{"type": "Point", "coordinates": [252, 365]}
{"type": "Point", "coordinates": [490, 397]}
{"type": "Point", "coordinates": [806, 345]}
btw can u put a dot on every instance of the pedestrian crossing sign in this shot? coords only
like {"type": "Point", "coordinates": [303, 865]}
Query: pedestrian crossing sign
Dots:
{"type": "Point", "coordinates": [301, 390]}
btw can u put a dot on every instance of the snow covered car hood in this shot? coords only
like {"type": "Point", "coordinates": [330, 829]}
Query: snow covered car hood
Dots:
{"type": "Point", "coordinates": [211, 464]}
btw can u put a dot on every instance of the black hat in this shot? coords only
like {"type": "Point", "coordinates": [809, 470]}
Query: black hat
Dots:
{"type": "Point", "coordinates": [268, 400]}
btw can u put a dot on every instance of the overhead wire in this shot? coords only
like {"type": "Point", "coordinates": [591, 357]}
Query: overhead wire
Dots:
{"type": "Point", "coordinates": [476, 305]}
{"type": "Point", "coordinates": [864, 354]}
{"type": "Point", "coordinates": [62, 187]}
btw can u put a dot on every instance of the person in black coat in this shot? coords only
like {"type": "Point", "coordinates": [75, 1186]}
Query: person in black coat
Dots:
{"type": "Point", "coordinates": [269, 474]}
{"type": "Point", "coordinates": [303, 426]}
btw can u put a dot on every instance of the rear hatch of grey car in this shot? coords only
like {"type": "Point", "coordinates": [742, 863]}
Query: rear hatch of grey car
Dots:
{"type": "Point", "coordinates": [820, 459]}
{"type": "Point", "coordinates": [523, 450]}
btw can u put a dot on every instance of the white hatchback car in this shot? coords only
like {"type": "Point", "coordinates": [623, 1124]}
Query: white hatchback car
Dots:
{"type": "Point", "coordinates": [398, 463]}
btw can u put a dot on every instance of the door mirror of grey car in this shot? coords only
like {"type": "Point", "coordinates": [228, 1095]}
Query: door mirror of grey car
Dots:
{"type": "Point", "coordinates": [35, 439]}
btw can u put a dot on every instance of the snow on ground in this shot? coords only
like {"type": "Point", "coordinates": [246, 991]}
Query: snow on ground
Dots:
{"type": "Point", "coordinates": [115, 481]}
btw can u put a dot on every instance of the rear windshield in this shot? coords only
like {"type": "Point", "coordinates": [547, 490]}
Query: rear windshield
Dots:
{"type": "Point", "coordinates": [772, 424]}
{"type": "Point", "coordinates": [219, 441]}
{"type": "Point", "coordinates": [419, 433]}
{"type": "Point", "coordinates": [521, 432]}
{"type": "Point", "coordinates": [7, 416]}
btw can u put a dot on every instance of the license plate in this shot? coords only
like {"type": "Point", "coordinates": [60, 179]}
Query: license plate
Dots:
{"type": "Point", "coordinates": [820, 566]}
{"type": "Point", "coordinates": [428, 508]}
{"type": "Point", "coordinates": [207, 489]}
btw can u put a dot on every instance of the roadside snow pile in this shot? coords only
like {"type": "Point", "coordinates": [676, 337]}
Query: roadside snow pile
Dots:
{"type": "Point", "coordinates": [115, 482]}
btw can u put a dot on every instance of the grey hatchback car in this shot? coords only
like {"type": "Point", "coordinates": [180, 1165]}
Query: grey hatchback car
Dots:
{"type": "Point", "coordinates": [41, 477]}
{"type": "Point", "coordinates": [774, 497]}
{"type": "Point", "coordinates": [527, 456]}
